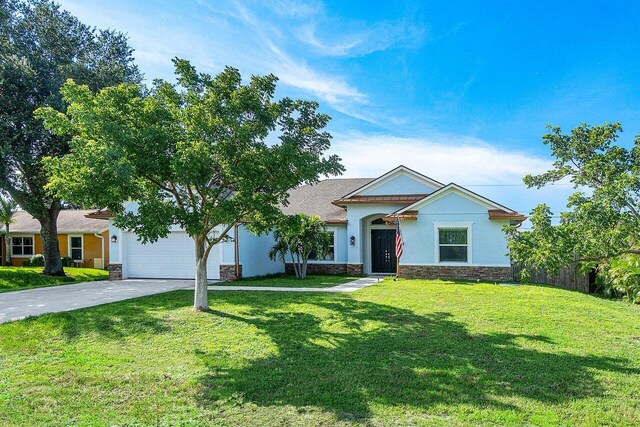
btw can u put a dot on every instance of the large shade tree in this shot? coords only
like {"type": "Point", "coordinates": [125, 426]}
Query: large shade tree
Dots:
{"type": "Point", "coordinates": [602, 225]}
{"type": "Point", "coordinates": [41, 46]}
{"type": "Point", "coordinates": [195, 154]}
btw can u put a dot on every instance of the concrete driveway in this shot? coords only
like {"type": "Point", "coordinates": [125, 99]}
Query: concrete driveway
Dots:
{"type": "Point", "coordinates": [32, 302]}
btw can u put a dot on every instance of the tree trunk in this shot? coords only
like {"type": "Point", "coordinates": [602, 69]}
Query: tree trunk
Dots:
{"type": "Point", "coordinates": [201, 297]}
{"type": "Point", "coordinates": [303, 269]}
{"type": "Point", "coordinates": [7, 244]}
{"type": "Point", "coordinates": [51, 249]}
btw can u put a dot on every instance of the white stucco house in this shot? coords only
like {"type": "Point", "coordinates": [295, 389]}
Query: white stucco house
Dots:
{"type": "Point", "coordinates": [448, 232]}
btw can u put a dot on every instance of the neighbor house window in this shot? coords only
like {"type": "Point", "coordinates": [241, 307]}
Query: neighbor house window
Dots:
{"type": "Point", "coordinates": [453, 244]}
{"type": "Point", "coordinates": [22, 246]}
{"type": "Point", "coordinates": [331, 254]}
{"type": "Point", "coordinates": [75, 247]}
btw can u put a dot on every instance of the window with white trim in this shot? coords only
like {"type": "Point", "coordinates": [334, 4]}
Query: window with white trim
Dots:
{"type": "Point", "coordinates": [75, 248]}
{"type": "Point", "coordinates": [453, 244]}
{"type": "Point", "coordinates": [331, 253]}
{"type": "Point", "coordinates": [22, 246]}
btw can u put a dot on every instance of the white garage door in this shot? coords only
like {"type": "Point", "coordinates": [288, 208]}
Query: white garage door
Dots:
{"type": "Point", "coordinates": [169, 258]}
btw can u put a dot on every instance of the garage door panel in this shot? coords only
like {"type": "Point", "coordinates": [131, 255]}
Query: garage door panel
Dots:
{"type": "Point", "coordinates": [169, 258]}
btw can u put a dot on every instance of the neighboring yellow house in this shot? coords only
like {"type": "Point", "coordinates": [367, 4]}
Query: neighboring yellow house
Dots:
{"type": "Point", "coordinates": [85, 240]}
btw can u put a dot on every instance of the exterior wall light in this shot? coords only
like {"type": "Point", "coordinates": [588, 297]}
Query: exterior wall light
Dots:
{"type": "Point", "coordinates": [114, 239]}
{"type": "Point", "coordinates": [352, 240]}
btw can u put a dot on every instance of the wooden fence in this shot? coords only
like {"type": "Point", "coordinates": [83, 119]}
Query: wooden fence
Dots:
{"type": "Point", "coordinates": [566, 278]}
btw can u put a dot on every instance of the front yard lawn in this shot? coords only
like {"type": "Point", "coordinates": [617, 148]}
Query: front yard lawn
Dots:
{"type": "Point", "coordinates": [290, 281]}
{"type": "Point", "coordinates": [398, 353]}
{"type": "Point", "coordinates": [17, 278]}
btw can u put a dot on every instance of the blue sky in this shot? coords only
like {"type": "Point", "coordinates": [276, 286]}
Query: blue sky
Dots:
{"type": "Point", "coordinates": [460, 91]}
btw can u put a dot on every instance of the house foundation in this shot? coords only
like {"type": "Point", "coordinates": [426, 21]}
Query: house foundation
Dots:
{"type": "Point", "coordinates": [447, 272]}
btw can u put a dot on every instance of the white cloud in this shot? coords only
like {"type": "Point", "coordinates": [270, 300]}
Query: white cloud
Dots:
{"type": "Point", "coordinates": [296, 73]}
{"type": "Point", "coordinates": [293, 70]}
{"type": "Point", "coordinates": [459, 159]}
{"type": "Point", "coordinates": [495, 173]}
{"type": "Point", "coordinates": [294, 8]}
{"type": "Point", "coordinates": [337, 38]}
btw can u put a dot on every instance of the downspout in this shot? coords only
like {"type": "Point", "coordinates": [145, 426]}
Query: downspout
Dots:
{"type": "Point", "coordinates": [99, 236]}
{"type": "Point", "coordinates": [237, 251]}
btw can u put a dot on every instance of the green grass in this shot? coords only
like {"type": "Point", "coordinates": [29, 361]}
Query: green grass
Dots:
{"type": "Point", "coordinates": [290, 281]}
{"type": "Point", "coordinates": [398, 353]}
{"type": "Point", "coordinates": [17, 278]}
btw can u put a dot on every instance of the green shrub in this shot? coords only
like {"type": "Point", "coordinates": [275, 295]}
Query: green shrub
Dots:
{"type": "Point", "coordinates": [620, 277]}
{"type": "Point", "coordinates": [34, 261]}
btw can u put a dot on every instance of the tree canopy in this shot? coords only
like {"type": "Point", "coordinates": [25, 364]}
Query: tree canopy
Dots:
{"type": "Point", "coordinates": [41, 46]}
{"type": "Point", "coordinates": [194, 154]}
{"type": "Point", "coordinates": [602, 224]}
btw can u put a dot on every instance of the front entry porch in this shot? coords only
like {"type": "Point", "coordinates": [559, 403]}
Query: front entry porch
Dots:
{"type": "Point", "coordinates": [383, 256]}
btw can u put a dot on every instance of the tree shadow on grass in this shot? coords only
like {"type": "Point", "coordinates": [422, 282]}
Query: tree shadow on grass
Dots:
{"type": "Point", "coordinates": [126, 318]}
{"type": "Point", "coordinates": [359, 353]}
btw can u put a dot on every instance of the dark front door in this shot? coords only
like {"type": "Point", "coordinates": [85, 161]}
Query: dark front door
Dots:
{"type": "Point", "coordinates": [383, 251]}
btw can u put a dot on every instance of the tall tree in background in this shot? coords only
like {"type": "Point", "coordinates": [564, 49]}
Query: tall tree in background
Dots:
{"type": "Point", "coordinates": [193, 154]}
{"type": "Point", "coordinates": [41, 46]}
{"type": "Point", "coordinates": [602, 225]}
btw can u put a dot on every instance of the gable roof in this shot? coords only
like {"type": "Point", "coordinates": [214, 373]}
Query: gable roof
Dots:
{"type": "Point", "coordinates": [316, 199]}
{"type": "Point", "coordinates": [396, 171]}
{"type": "Point", "coordinates": [69, 221]}
{"type": "Point", "coordinates": [495, 210]}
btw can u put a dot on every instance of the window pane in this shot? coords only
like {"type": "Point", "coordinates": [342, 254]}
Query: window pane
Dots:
{"type": "Point", "coordinates": [16, 250]}
{"type": "Point", "coordinates": [27, 241]}
{"type": "Point", "coordinates": [453, 253]}
{"type": "Point", "coordinates": [76, 242]}
{"type": "Point", "coordinates": [76, 253]}
{"type": "Point", "coordinates": [453, 236]}
{"type": "Point", "coordinates": [16, 241]}
{"type": "Point", "coordinates": [27, 250]}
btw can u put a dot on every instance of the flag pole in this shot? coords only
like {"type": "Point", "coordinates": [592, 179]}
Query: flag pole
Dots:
{"type": "Point", "coordinates": [398, 258]}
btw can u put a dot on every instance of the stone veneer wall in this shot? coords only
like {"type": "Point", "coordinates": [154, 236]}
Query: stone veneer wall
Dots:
{"type": "Point", "coordinates": [228, 273]}
{"type": "Point", "coordinates": [502, 274]}
{"type": "Point", "coordinates": [319, 268]}
{"type": "Point", "coordinates": [355, 269]}
{"type": "Point", "coordinates": [115, 271]}
{"type": "Point", "coordinates": [351, 269]}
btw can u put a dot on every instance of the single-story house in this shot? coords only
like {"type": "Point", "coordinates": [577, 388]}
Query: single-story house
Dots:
{"type": "Point", "coordinates": [448, 232]}
{"type": "Point", "coordinates": [85, 240]}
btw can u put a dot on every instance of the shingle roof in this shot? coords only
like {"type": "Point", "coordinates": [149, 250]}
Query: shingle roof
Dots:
{"type": "Point", "coordinates": [316, 199]}
{"type": "Point", "coordinates": [69, 221]}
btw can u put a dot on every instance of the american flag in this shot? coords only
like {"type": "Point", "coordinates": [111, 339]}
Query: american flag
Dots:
{"type": "Point", "coordinates": [399, 242]}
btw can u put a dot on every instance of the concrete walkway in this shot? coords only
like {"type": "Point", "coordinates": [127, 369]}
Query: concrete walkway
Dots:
{"type": "Point", "coordinates": [32, 302]}
{"type": "Point", "coordinates": [345, 287]}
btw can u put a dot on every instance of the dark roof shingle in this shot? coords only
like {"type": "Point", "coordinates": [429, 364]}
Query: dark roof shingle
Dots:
{"type": "Point", "coordinates": [316, 199]}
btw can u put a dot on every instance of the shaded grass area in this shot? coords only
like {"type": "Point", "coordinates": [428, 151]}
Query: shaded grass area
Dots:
{"type": "Point", "coordinates": [397, 353]}
{"type": "Point", "coordinates": [17, 278]}
{"type": "Point", "coordinates": [290, 281]}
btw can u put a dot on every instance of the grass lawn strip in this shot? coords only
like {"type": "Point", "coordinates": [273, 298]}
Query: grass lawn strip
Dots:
{"type": "Point", "coordinates": [19, 278]}
{"type": "Point", "coordinates": [289, 281]}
